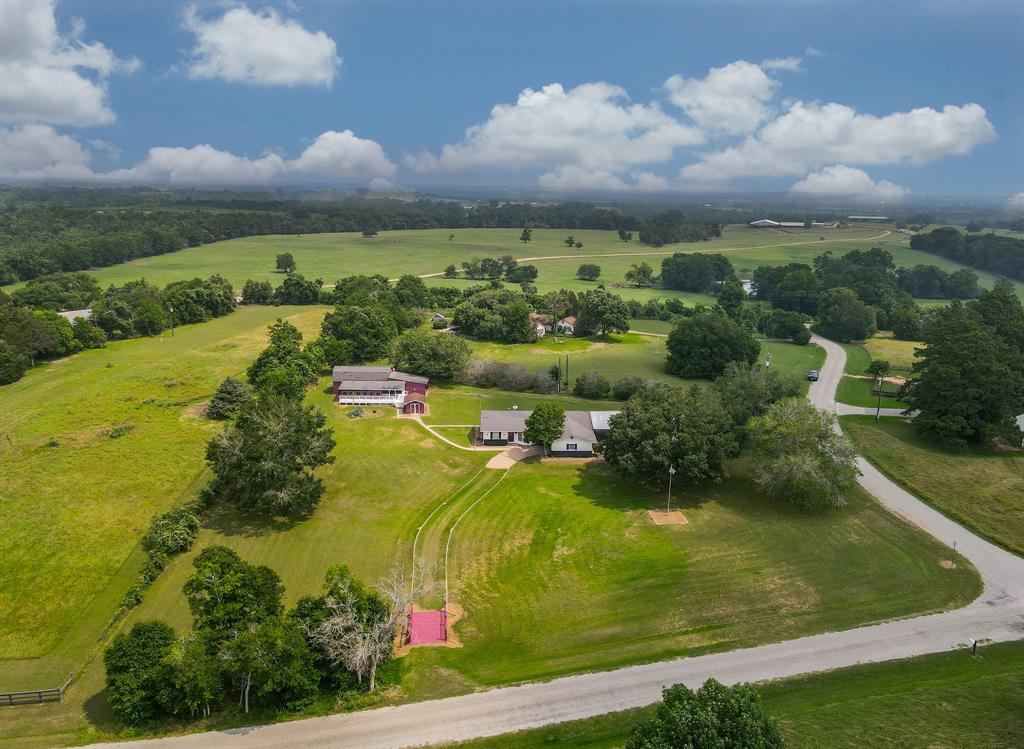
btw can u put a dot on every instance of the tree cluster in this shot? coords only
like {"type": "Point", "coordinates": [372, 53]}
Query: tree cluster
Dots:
{"type": "Point", "coordinates": [244, 646]}
{"type": "Point", "coordinates": [713, 717]}
{"type": "Point", "coordinates": [704, 344]}
{"type": "Point", "coordinates": [495, 314]}
{"type": "Point", "coordinates": [698, 272]}
{"type": "Point", "coordinates": [968, 380]}
{"type": "Point", "coordinates": [54, 230]}
{"type": "Point", "coordinates": [28, 335]}
{"type": "Point", "coordinates": [991, 252]}
{"type": "Point", "coordinates": [673, 227]}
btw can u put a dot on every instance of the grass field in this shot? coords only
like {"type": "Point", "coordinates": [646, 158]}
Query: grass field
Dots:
{"type": "Point", "coordinates": [940, 700]}
{"type": "Point", "coordinates": [78, 499]}
{"type": "Point", "coordinates": [856, 391]}
{"type": "Point", "coordinates": [983, 489]}
{"type": "Point", "coordinates": [330, 256]}
{"type": "Point", "coordinates": [560, 569]}
{"type": "Point", "coordinates": [899, 354]}
{"type": "Point", "coordinates": [618, 355]}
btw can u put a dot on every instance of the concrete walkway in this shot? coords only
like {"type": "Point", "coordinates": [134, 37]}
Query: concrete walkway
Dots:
{"type": "Point", "coordinates": [997, 615]}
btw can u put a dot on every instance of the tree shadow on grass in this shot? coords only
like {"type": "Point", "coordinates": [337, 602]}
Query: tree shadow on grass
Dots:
{"type": "Point", "coordinates": [97, 710]}
{"type": "Point", "coordinates": [599, 483]}
{"type": "Point", "coordinates": [605, 488]}
{"type": "Point", "coordinates": [228, 520]}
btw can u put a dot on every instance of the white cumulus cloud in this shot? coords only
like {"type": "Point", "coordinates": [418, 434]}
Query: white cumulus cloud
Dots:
{"type": "Point", "coordinates": [36, 151]}
{"type": "Point", "coordinates": [732, 99]}
{"type": "Point", "coordinates": [201, 164]}
{"type": "Point", "coordinates": [41, 69]}
{"type": "Point", "coordinates": [1016, 202]}
{"type": "Point", "coordinates": [840, 179]}
{"type": "Point", "coordinates": [813, 135]}
{"type": "Point", "coordinates": [335, 154]}
{"type": "Point", "coordinates": [260, 47]}
{"type": "Point", "coordinates": [591, 128]}
{"type": "Point", "coordinates": [575, 178]}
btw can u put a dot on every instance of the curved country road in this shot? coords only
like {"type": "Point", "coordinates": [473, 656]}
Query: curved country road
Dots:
{"type": "Point", "coordinates": [997, 615]}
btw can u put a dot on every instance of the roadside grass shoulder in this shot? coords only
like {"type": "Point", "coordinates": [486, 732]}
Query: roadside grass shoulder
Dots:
{"type": "Point", "coordinates": [980, 488]}
{"type": "Point", "coordinates": [856, 391]}
{"type": "Point", "coordinates": [944, 699]}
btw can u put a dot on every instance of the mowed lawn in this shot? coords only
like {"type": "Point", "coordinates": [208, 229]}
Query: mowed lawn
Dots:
{"type": "Point", "coordinates": [560, 569]}
{"type": "Point", "coordinates": [939, 700]}
{"type": "Point", "coordinates": [856, 387]}
{"type": "Point", "coordinates": [981, 488]}
{"type": "Point", "coordinates": [77, 499]}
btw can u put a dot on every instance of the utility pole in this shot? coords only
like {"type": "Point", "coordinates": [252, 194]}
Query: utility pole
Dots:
{"type": "Point", "coordinates": [171, 318]}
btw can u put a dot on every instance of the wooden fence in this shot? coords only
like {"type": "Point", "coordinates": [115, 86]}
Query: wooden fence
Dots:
{"type": "Point", "coordinates": [56, 694]}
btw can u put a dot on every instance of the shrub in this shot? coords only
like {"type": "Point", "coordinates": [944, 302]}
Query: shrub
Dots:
{"type": "Point", "coordinates": [592, 385]}
{"type": "Point", "coordinates": [228, 398]}
{"type": "Point", "coordinates": [171, 532]}
{"type": "Point", "coordinates": [629, 386]}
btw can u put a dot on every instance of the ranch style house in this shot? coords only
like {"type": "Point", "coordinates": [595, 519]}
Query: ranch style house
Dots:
{"type": "Point", "coordinates": [581, 431]}
{"type": "Point", "coordinates": [380, 386]}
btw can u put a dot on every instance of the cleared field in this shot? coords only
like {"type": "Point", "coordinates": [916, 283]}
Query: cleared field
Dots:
{"type": "Point", "coordinates": [77, 499]}
{"type": "Point", "coordinates": [983, 489]}
{"type": "Point", "coordinates": [899, 354]}
{"type": "Point", "coordinates": [561, 569]}
{"type": "Point", "coordinates": [330, 256]}
{"type": "Point", "coordinates": [941, 700]}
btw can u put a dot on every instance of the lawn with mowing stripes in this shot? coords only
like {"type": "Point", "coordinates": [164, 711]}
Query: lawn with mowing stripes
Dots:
{"type": "Point", "coordinates": [940, 700]}
{"type": "Point", "coordinates": [980, 488]}
{"type": "Point", "coordinates": [560, 569]}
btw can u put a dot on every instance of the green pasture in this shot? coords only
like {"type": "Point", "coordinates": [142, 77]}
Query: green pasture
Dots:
{"type": "Point", "coordinates": [941, 700]}
{"type": "Point", "coordinates": [78, 499]}
{"type": "Point", "coordinates": [980, 488]}
{"type": "Point", "coordinates": [420, 252]}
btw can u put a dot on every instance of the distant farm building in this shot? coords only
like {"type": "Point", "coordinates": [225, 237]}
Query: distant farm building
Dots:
{"type": "Point", "coordinates": [582, 430]}
{"type": "Point", "coordinates": [767, 223]}
{"type": "Point", "coordinates": [868, 218]}
{"type": "Point", "coordinates": [380, 386]}
{"type": "Point", "coordinates": [541, 324]}
{"type": "Point", "coordinates": [566, 326]}
{"type": "Point", "coordinates": [73, 314]}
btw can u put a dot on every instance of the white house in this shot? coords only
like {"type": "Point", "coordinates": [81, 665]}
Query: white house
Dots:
{"type": "Point", "coordinates": [566, 326]}
{"type": "Point", "coordinates": [582, 430]}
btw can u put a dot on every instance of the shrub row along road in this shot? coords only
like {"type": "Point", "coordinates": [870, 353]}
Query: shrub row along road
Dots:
{"type": "Point", "coordinates": [997, 615]}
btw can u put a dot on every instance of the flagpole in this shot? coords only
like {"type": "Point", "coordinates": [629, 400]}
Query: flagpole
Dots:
{"type": "Point", "coordinates": [671, 473]}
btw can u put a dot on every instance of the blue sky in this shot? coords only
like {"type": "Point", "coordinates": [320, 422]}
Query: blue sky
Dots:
{"type": "Point", "coordinates": [834, 98]}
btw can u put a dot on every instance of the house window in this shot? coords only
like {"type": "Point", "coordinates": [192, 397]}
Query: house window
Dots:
{"type": "Point", "coordinates": [571, 446]}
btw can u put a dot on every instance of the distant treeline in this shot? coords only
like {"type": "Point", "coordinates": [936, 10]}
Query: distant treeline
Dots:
{"type": "Point", "coordinates": [37, 240]}
{"type": "Point", "coordinates": [996, 254]}
{"type": "Point", "coordinates": [41, 234]}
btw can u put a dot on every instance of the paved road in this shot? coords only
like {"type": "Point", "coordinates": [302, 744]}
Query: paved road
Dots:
{"type": "Point", "coordinates": [997, 615]}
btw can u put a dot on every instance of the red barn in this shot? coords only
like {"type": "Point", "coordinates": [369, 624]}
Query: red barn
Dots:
{"type": "Point", "coordinates": [380, 386]}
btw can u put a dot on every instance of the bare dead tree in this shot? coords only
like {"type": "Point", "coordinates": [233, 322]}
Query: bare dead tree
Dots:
{"type": "Point", "coordinates": [359, 641]}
